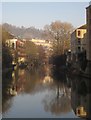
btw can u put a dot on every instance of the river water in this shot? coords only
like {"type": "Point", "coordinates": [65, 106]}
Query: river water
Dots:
{"type": "Point", "coordinates": [37, 93]}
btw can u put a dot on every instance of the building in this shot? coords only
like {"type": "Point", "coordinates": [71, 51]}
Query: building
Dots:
{"type": "Point", "coordinates": [88, 19]}
{"type": "Point", "coordinates": [81, 87]}
{"type": "Point", "coordinates": [17, 47]}
{"type": "Point", "coordinates": [88, 16]}
{"type": "Point", "coordinates": [78, 39]}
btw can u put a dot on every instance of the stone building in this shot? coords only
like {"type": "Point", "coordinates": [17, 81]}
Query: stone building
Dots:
{"type": "Point", "coordinates": [78, 39]}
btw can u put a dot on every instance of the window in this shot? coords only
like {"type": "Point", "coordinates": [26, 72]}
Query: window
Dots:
{"type": "Point", "coordinates": [79, 33]}
{"type": "Point", "coordinates": [12, 45]}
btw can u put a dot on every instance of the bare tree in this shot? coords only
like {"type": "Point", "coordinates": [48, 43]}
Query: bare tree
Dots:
{"type": "Point", "coordinates": [60, 34]}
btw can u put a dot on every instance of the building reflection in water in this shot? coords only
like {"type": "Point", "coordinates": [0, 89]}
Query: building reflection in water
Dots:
{"type": "Point", "coordinates": [47, 79]}
{"type": "Point", "coordinates": [81, 97]}
{"type": "Point", "coordinates": [12, 84]}
{"type": "Point", "coordinates": [6, 85]}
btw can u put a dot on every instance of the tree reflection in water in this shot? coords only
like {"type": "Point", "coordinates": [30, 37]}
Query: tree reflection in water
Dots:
{"type": "Point", "coordinates": [18, 82]}
{"type": "Point", "coordinates": [12, 84]}
{"type": "Point", "coordinates": [34, 80]}
{"type": "Point", "coordinates": [58, 100]}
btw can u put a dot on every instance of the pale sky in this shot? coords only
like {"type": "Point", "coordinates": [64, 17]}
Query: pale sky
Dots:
{"type": "Point", "coordinates": [38, 14]}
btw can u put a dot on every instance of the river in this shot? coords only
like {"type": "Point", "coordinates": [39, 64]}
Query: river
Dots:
{"type": "Point", "coordinates": [38, 93]}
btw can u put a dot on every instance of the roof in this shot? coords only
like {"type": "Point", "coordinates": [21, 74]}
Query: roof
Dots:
{"type": "Point", "coordinates": [89, 6]}
{"type": "Point", "coordinates": [83, 27]}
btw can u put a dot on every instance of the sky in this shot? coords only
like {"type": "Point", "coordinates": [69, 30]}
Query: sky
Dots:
{"type": "Point", "coordinates": [38, 14]}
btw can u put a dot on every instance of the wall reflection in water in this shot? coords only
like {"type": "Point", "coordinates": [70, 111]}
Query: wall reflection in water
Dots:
{"type": "Point", "coordinates": [81, 97]}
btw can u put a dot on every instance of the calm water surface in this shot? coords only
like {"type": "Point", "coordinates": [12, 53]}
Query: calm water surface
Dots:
{"type": "Point", "coordinates": [37, 93]}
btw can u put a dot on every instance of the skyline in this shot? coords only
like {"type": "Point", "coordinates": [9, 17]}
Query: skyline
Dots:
{"type": "Point", "coordinates": [38, 14]}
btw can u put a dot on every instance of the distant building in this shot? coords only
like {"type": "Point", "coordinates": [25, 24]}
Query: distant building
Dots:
{"type": "Point", "coordinates": [17, 49]}
{"type": "Point", "coordinates": [45, 43]}
{"type": "Point", "coordinates": [78, 39]}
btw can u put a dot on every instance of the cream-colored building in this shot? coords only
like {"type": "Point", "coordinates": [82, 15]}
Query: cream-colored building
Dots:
{"type": "Point", "coordinates": [78, 39]}
{"type": "Point", "coordinates": [45, 43]}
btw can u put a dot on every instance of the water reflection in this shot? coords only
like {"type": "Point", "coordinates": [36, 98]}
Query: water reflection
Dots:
{"type": "Point", "coordinates": [6, 97]}
{"type": "Point", "coordinates": [58, 101]}
{"type": "Point", "coordinates": [46, 90]}
{"type": "Point", "coordinates": [81, 97]}
{"type": "Point", "coordinates": [21, 81]}
{"type": "Point", "coordinates": [34, 79]}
